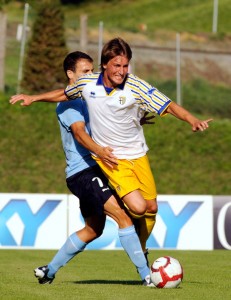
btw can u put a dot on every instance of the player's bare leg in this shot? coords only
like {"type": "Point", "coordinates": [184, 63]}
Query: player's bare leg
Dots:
{"type": "Point", "coordinates": [135, 203]}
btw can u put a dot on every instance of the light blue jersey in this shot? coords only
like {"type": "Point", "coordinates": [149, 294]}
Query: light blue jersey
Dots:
{"type": "Point", "coordinates": [77, 157]}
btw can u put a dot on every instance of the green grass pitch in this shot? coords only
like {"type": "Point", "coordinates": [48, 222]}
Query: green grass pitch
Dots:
{"type": "Point", "coordinates": [110, 275]}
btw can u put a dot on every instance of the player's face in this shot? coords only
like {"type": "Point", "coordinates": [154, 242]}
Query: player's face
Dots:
{"type": "Point", "coordinates": [83, 66]}
{"type": "Point", "coordinates": [115, 71]}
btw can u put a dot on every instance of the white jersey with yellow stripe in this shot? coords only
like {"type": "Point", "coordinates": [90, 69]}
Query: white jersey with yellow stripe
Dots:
{"type": "Point", "coordinates": [115, 115]}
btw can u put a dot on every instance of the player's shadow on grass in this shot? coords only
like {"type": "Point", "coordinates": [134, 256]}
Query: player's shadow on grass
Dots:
{"type": "Point", "coordinates": [124, 282]}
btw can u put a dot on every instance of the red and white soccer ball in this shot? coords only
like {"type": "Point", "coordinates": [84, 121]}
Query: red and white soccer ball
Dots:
{"type": "Point", "coordinates": [166, 272]}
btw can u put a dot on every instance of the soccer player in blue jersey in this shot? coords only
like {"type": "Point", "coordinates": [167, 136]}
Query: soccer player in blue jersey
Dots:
{"type": "Point", "coordinates": [116, 100]}
{"type": "Point", "coordinates": [85, 180]}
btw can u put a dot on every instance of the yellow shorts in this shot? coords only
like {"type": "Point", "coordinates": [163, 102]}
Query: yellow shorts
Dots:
{"type": "Point", "coordinates": [130, 175]}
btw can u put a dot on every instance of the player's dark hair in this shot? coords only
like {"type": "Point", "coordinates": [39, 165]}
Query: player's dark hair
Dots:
{"type": "Point", "coordinates": [113, 48]}
{"type": "Point", "coordinates": [72, 58]}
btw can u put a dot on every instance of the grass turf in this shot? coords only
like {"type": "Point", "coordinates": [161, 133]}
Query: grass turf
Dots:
{"type": "Point", "coordinates": [110, 275]}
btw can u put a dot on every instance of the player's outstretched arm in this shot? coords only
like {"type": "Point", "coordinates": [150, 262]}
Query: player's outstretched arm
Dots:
{"type": "Point", "coordinates": [104, 153]}
{"type": "Point", "coordinates": [53, 96]}
{"type": "Point", "coordinates": [184, 115]}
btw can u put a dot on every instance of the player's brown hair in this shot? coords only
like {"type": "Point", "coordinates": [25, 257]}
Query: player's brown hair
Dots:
{"type": "Point", "coordinates": [113, 48]}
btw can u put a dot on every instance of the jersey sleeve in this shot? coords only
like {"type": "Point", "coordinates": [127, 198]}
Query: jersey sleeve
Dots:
{"type": "Point", "coordinates": [75, 90]}
{"type": "Point", "coordinates": [72, 91]}
{"type": "Point", "coordinates": [71, 112]}
{"type": "Point", "coordinates": [149, 97]}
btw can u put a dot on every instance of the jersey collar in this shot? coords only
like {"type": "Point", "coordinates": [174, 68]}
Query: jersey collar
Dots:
{"type": "Point", "coordinates": [108, 90]}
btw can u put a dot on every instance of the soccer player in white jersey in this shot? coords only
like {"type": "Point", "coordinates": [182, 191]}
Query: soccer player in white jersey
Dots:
{"type": "Point", "coordinates": [86, 181]}
{"type": "Point", "coordinates": [115, 100]}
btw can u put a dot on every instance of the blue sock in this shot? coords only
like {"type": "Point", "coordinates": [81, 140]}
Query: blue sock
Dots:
{"type": "Point", "coordinates": [131, 244]}
{"type": "Point", "coordinates": [72, 246]}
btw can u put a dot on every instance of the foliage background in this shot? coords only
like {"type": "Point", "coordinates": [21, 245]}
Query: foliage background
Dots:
{"type": "Point", "coordinates": [43, 63]}
{"type": "Point", "coordinates": [183, 162]}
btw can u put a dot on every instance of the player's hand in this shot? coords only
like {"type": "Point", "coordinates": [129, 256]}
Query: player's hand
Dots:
{"type": "Point", "coordinates": [201, 125]}
{"type": "Point", "coordinates": [26, 99]}
{"type": "Point", "coordinates": [147, 120]}
{"type": "Point", "coordinates": [108, 157]}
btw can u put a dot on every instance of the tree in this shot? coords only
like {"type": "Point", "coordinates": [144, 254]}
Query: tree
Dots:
{"type": "Point", "coordinates": [43, 67]}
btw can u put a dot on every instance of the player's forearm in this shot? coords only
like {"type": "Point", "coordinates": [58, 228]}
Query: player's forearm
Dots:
{"type": "Point", "coordinates": [104, 153]}
{"type": "Point", "coordinates": [53, 96]}
{"type": "Point", "coordinates": [181, 113]}
{"type": "Point", "coordinates": [87, 142]}
{"type": "Point", "coordinates": [26, 100]}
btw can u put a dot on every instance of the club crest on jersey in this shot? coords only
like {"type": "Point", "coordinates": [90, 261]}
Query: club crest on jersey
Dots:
{"type": "Point", "coordinates": [122, 100]}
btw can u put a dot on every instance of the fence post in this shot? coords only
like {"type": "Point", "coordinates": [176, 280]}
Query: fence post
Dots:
{"type": "Point", "coordinates": [100, 46]}
{"type": "Point", "coordinates": [83, 32]}
{"type": "Point", "coordinates": [23, 42]}
{"type": "Point", "coordinates": [178, 79]}
{"type": "Point", "coordinates": [215, 15]}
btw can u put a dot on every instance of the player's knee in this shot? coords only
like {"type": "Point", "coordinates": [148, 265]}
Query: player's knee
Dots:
{"type": "Point", "coordinates": [138, 209]}
{"type": "Point", "coordinates": [152, 210]}
{"type": "Point", "coordinates": [152, 207]}
{"type": "Point", "coordinates": [135, 203]}
{"type": "Point", "coordinates": [95, 232]}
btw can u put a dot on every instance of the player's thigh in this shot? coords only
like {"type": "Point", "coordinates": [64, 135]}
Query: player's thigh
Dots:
{"type": "Point", "coordinates": [144, 175]}
{"type": "Point", "coordinates": [90, 186]}
{"type": "Point", "coordinates": [121, 177]}
{"type": "Point", "coordinates": [135, 202]}
{"type": "Point", "coordinates": [117, 213]}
